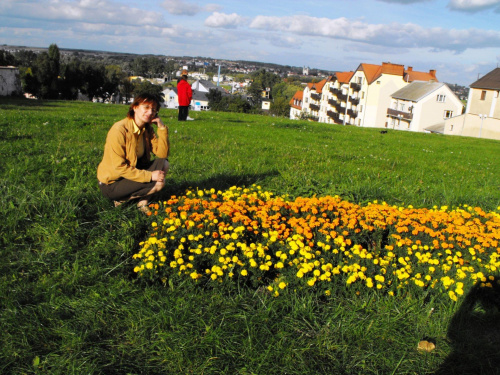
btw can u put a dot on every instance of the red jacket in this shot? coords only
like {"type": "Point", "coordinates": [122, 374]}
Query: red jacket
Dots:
{"type": "Point", "coordinates": [184, 92]}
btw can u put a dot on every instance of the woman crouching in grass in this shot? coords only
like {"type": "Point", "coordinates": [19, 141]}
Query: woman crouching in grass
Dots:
{"type": "Point", "coordinates": [126, 171]}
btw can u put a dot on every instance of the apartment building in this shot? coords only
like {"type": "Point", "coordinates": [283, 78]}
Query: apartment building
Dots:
{"type": "Point", "coordinates": [296, 105]}
{"type": "Point", "coordinates": [334, 103]}
{"type": "Point", "coordinates": [374, 86]}
{"type": "Point", "coordinates": [361, 97]}
{"type": "Point", "coordinates": [311, 102]}
{"type": "Point", "coordinates": [422, 104]}
{"type": "Point", "coordinates": [482, 115]}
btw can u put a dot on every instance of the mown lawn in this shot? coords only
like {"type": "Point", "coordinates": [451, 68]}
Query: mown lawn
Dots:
{"type": "Point", "coordinates": [71, 303]}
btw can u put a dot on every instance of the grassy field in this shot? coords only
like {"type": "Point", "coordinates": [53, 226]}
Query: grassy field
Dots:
{"type": "Point", "coordinates": [71, 303]}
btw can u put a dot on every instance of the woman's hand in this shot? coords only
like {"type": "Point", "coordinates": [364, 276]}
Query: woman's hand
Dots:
{"type": "Point", "coordinates": [158, 122]}
{"type": "Point", "coordinates": [158, 176]}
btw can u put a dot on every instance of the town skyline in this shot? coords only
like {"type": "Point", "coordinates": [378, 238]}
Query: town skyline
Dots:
{"type": "Point", "coordinates": [457, 38]}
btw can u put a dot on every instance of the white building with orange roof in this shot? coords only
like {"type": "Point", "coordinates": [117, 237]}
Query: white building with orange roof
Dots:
{"type": "Point", "coordinates": [334, 98]}
{"type": "Point", "coordinates": [371, 87]}
{"type": "Point", "coordinates": [311, 100]}
{"type": "Point", "coordinates": [296, 105]}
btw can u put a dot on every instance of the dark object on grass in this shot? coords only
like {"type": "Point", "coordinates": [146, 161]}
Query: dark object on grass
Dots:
{"type": "Point", "coordinates": [383, 131]}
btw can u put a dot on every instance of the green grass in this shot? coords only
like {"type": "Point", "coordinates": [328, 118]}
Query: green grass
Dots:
{"type": "Point", "coordinates": [71, 304]}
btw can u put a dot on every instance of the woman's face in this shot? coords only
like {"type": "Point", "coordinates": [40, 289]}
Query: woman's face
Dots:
{"type": "Point", "coordinates": [144, 113]}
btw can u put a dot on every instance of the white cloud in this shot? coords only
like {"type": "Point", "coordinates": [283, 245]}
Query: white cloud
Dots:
{"type": "Point", "coordinates": [474, 5]}
{"type": "Point", "coordinates": [183, 8]}
{"type": "Point", "coordinates": [284, 42]}
{"type": "Point", "coordinates": [225, 21]}
{"type": "Point", "coordinates": [392, 35]}
{"type": "Point", "coordinates": [89, 11]}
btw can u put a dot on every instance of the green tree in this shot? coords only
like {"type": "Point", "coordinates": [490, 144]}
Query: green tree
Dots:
{"type": "Point", "coordinates": [114, 76]}
{"type": "Point", "coordinates": [94, 78]}
{"type": "Point", "coordinates": [170, 68]}
{"type": "Point", "coordinates": [46, 74]}
{"type": "Point", "coordinates": [71, 80]}
{"type": "Point", "coordinates": [140, 66]}
{"type": "Point", "coordinates": [262, 80]}
{"type": "Point", "coordinates": [238, 104]}
{"type": "Point", "coordinates": [55, 57]}
{"type": "Point", "coordinates": [148, 87]}
{"type": "Point", "coordinates": [214, 97]}
{"type": "Point", "coordinates": [156, 66]}
{"type": "Point", "coordinates": [25, 58]}
{"type": "Point", "coordinates": [28, 81]}
{"type": "Point", "coordinates": [7, 58]}
{"type": "Point", "coordinates": [280, 107]}
{"type": "Point", "coordinates": [126, 89]}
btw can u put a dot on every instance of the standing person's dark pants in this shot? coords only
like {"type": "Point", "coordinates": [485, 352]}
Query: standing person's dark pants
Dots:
{"type": "Point", "coordinates": [183, 112]}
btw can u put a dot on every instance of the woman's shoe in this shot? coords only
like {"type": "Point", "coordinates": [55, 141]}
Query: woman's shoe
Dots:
{"type": "Point", "coordinates": [118, 203]}
{"type": "Point", "coordinates": [144, 209]}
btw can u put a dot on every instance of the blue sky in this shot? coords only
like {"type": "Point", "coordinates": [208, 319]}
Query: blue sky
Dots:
{"type": "Point", "coordinates": [460, 39]}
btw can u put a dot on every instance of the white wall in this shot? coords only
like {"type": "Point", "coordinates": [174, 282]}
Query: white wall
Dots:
{"type": "Point", "coordinates": [10, 81]}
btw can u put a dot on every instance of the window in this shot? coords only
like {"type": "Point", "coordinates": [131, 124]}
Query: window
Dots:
{"type": "Point", "coordinates": [451, 128]}
{"type": "Point", "coordinates": [483, 95]}
{"type": "Point", "coordinates": [441, 98]}
{"type": "Point", "coordinates": [362, 94]}
{"type": "Point", "coordinates": [360, 80]}
{"type": "Point", "coordinates": [401, 107]}
{"type": "Point", "coordinates": [448, 114]}
{"type": "Point", "coordinates": [360, 108]}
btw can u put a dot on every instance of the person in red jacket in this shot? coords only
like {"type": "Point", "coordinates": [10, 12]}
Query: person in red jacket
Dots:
{"type": "Point", "coordinates": [184, 94]}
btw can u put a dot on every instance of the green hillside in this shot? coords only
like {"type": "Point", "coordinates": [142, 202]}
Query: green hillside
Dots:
{"type": "Point", "coordinates": [71, 302]}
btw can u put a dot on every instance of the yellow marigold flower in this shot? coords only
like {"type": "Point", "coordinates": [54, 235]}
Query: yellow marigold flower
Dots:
{"type": "Point", "coordinates": [452, 295]}
{"type": "Point", "coordinates": [244, 272]}
{"type": "Point", "coordinates": [149, 265]}
{"type": "Point", "coordinates": [282, 285]}
{"type": "Point", "coordinates": [369, 282]}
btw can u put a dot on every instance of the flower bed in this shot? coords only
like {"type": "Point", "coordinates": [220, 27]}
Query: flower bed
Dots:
{"type": "Point", "coordinates": [249, 235]}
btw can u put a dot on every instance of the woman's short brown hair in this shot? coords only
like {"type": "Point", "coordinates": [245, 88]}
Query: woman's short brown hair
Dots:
{"type": "Point", "coordinates": [143, 98]}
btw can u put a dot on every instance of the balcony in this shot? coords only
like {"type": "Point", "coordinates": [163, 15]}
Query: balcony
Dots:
{"type": "Point", "coordinates": [352, 113]}
{"type": "Point", "coordinates": [316, 97]}
{"type": "Point", "coordinates": [334, 116]}
{"type": "Point", "coordinates": [354, 101]}
{"type": "Point", "coordinates": [335, 91]}
{"type": "Point", "coordinates": [342, 97]}
{"type": "Point", "coordinates": [314, 107]}
{"type": "Point", "coordinates": [332, 102]}
{"type": "Point", "coordinates": [355, 86]}
{"type": "Point", "coordinates": [399, 114]}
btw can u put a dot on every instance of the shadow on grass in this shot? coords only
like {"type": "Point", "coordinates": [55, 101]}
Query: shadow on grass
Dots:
{"type": "Point", "coordinates": [474, 333]}
{"type": "Point", "coordinates": [218, 182]}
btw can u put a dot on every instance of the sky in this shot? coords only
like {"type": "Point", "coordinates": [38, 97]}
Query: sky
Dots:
{"type": "Point", "coordinates": [460, 39]}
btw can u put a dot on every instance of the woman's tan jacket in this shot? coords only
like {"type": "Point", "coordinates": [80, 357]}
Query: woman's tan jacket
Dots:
{"type": "Point", "coordinates": [120, 156]}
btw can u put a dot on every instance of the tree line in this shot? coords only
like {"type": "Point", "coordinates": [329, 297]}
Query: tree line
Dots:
{"type": "Point", "coordinates": [46, 75]}
{"type": "Point", "coordinates": [49, 75]}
